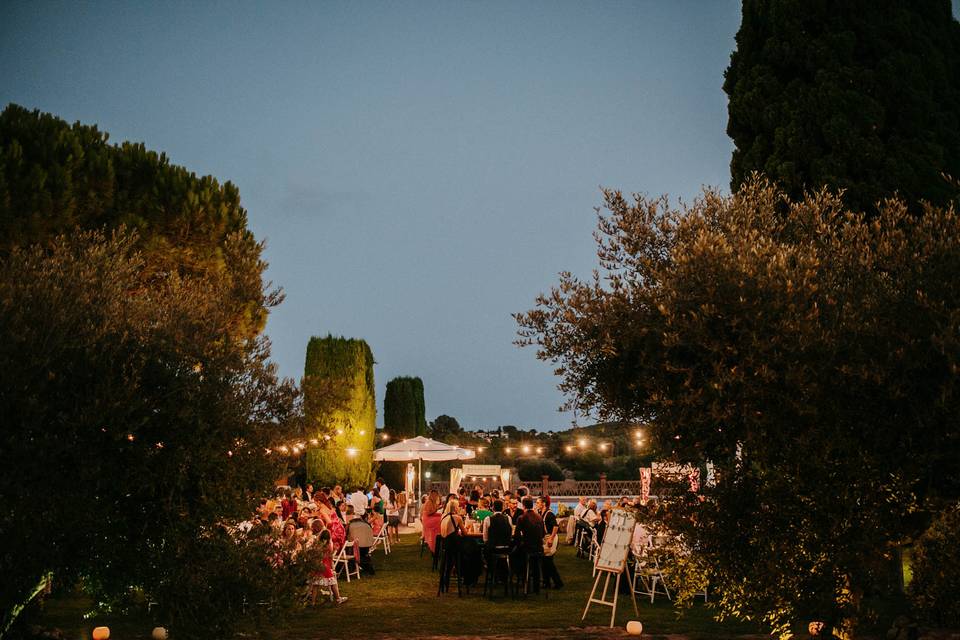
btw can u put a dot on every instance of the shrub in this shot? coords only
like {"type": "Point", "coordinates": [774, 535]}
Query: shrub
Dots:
{"type": "Point", "coordinates": [936, 570]}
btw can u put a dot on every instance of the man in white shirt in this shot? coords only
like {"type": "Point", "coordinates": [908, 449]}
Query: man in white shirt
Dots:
{"type": "Point", "coordinates": [384, 491]}
{"type": "Point", "coordinates": [359, 501]}
{"type": "Point", "coordinates": [580, 509]}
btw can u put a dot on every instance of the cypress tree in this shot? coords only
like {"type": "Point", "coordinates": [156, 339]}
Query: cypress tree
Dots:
{"type": "Point", "coordinates": [404, 410]}
{"type": "Point", "coordinates": [341, 410]}
{"type": "Point", "coordinates": [862, 95]}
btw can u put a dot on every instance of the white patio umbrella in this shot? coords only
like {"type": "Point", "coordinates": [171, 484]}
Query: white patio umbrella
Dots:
{"type": "Point", "coordinates": [421, 449]}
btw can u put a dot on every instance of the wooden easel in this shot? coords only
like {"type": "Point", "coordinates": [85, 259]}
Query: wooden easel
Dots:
{"type": "Point", "coordinates": [606, 574]}
{"type": "Point", "coordinates": [612, 561]}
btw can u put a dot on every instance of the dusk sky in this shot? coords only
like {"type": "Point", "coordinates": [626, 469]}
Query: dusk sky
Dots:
{"type": "Point", "coordinates": [418, 170]}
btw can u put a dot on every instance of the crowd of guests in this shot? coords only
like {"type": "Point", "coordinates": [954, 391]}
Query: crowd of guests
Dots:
{"type": "Point", "coordinates": [325, 521]}
{"type": "Point", "coordinates": [517, 525]}
{"type": "Point", "coordinates": [589, 523]}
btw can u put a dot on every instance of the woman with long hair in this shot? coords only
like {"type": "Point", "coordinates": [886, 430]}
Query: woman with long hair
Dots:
{"type": "Point", "coordinates": [430, 519]}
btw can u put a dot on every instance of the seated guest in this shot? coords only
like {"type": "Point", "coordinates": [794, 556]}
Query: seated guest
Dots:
{"type": "Point", "coordinates": [498, 528]}
{"type": "Point", "coordinates": [483, 510]}
{"type": "Point", "coordinates": [360, 532]}
{"type": "Point", "coordinates": [528, 539]}
{"type": "Point", "coordinates": [590, 516]}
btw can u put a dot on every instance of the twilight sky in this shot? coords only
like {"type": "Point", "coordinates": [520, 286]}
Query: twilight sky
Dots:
{"type": "Point", "coordinates": [418, 170]}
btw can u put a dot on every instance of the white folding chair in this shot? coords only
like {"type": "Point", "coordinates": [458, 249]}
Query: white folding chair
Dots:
{"type": "Point", "coordinates": [382, 537]}
{"type": "Point", "coordinates": [342, 558]}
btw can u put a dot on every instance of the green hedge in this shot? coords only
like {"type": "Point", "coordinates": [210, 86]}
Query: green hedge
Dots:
{"type": "Point", "coordinates": [404, 410]}
{"type": "Point", "coordinates": [339, 402]}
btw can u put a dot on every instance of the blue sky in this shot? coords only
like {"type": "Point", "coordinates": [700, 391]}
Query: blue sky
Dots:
{"type": "Point", "coordinates": [418, 170]}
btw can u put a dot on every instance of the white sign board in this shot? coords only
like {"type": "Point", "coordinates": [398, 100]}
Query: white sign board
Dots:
{"type": "Point", "coordinates": [616, 541]}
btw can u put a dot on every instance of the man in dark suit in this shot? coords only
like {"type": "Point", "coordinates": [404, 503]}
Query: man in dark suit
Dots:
{"type": "Point", "coordinates": [528, 539]}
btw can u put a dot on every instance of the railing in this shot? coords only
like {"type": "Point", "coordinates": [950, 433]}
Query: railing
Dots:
{"type": "Point", "coordinates": [602, 487]}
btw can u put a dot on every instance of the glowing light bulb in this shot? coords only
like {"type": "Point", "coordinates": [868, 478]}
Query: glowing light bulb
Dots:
{"type": "Point", "coordinates": [526, 448]}
{"type": "Point", "coordinates": [351, 452]}
{"type": "Point", "coordinates": [568, 448]}
{"type": "Point", "coordinates": [582, 442]}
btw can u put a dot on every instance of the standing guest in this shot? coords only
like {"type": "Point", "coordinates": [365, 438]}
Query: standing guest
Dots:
{"type": "Point", "coordinates": [358, 500]}
{"type": "Point", "coordinates": [331, 521]}
{"type": "Point", "coordinates": [551, 530]}
{"type": "Point", "coordinates": [402, 506]}
{"type": "Point", "coordinates": [528, 539]}
{"type": "Point", "coordinates": [376, 505]}
{"type": "Point", "coordinates": [384, 490]}
{"type": "Point", "coordinates": [462, 499]}
{"type": "Point", "coordinates": [337, 496]}
{"type": "Point", "coordinates": [308, 492]}
{"type": "Point", "coordinates": [288, 505]}
{"type": "Point", "coordinates": [393, 517]}
{"type": "Point", "coordinates": [430, 519]}
{"type": "Point", "coordinates": [325, 577]}
{"type": "Point", "coordinates": [360, 532]}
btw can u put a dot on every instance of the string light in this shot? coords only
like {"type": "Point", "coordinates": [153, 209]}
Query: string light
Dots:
{"type": "Point", "coordinates": [582, 442]}
{"type": "Point", "coordinates": [539, 449]}
{"type": "Point", "coordinates": [568, 448]}
{"type": "Point", "coordinates": [351, 451]}
{"type": "Point", "coordinates": [526, 448]}
{"type": "Point", "coordinates": [363, 432]}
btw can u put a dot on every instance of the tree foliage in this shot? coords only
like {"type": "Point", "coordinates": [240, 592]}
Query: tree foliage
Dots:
{"type": "Point", "coordinates": [862, 96]}
{"type": "Point", "coordinates": [445, 429]}
{"type": "Point", "coordinates": [55, 177]}
{"type": "Point", "coordinates": [810, 352]}
{"type": "Point", "coordinates": [339, 403]}
{"type": "Point", "coordinates": [404, 410]}
{"type": "Point", "coordinates": [132, 430]}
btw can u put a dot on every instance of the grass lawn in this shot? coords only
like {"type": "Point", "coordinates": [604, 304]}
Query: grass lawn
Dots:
{"type": "Point", "coordinates": [401, 600]}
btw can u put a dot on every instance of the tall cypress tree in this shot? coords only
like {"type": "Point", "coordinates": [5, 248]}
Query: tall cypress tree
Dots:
{"type": "Point", "coordinates": [404, 410]}
{"type": "Point", "coordinates": [862, 95]}
{"type": "Point", "coordinates": [341, 410]}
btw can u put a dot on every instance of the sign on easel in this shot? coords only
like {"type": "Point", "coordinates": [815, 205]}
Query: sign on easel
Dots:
{"type": "Point", "coordinates": [612, 560]}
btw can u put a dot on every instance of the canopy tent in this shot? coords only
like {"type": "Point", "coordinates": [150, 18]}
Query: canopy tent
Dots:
{"type": "Point", "coordinates": [421, 449]}
{"type": "Point", "coordinates": [483, 470]}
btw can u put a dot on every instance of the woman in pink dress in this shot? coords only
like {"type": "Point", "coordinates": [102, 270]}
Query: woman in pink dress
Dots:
{"type": "Point", "coordinates": [430, 519]}
{"type": "Point", "coordinates": [338, 535]}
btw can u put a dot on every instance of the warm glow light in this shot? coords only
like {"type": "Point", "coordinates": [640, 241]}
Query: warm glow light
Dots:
{"type": "Point", "coordinates": [326, 437]}
{"type": "Point", "coordinates": [384, 436]}
{"type": "Point", "coordinates": [339, 432]}
{"type": "Point", "coordinates": [363, 432]}
{"type": "Point", "coordinates": [480, 448]}
{"type": "Point", "coordinates": [283, 448]}
{"type": "Point", "coordinates": [568, 448]}
{"type": "Point", "coordinates": [539, 449]}
{"type": "Point", "coordinates": [603, 447]}
{"type": "Point", "coordinates": [130, 437]}
{"type": "Point", "coordinates": [526, 448]}
{"type": "Point", "coordinates": [314, 441]}
{"type": "Point", "coordinates": [507, 450]}
{"type": "Point", "coordinates": [582, 442]}
{"type": "Point", "coordinates": [229, 454]}
{"type": "Point", "coordinates": [159, 445]}
{"type": "Point", "coordinates": [351, 452]}
{"type": "Point", "coordinates": [426, 474]}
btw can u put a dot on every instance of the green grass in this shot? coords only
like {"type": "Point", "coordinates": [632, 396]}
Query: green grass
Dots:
{"type": "Point", "coordinates": [401, 600]}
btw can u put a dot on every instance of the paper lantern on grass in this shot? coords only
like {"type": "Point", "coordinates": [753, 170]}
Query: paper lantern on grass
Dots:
{"type": "Point", "coordinates": [101, 633]}
{"type": "Point", "coordinates": [159, 633]}
{"type": "Point", "coordinates": [635, 628]}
